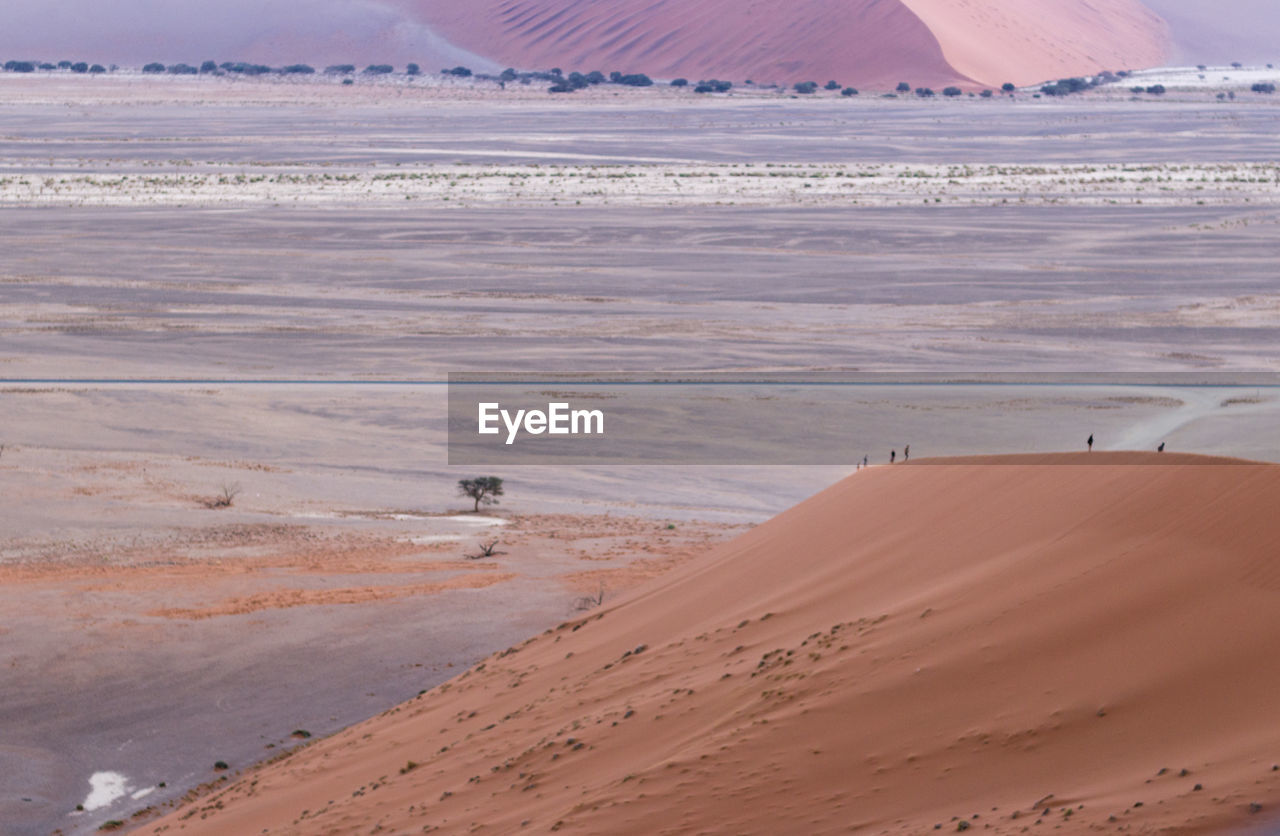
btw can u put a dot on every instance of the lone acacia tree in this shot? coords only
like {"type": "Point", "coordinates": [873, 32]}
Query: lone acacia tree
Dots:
{"type": "Point", "coordinates": [484, 489]}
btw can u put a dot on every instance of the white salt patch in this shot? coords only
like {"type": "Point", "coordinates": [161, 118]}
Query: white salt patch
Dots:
{"type": "Point", "coordinates": [1214, 77]}
{"type": "Point", "coordinates": [106, 787]}
{"type": "Point", "coordinates": [435, 538]}
{"type": "Point", "coordinates": [477, 520]}
{"type": "Point", "coordinates": [142, 793]}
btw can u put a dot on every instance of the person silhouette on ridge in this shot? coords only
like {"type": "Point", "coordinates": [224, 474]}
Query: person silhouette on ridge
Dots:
{"type": "Point", "coordinates": [893, 454]}
{"type": "Point", "coordinates": [1160, 449]}
{"type": "Point", "coordinates": [1090, 442]}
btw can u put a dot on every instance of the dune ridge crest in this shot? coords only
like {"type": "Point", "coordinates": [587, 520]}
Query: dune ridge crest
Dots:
{"type": "Point", "coordinates": [916, 645]}
{"type": "Point", "coordinates": [872, 43]}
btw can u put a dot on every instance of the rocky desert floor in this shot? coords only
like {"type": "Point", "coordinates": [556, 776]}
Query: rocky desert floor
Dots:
{"type": "Point", "coordinates": [210, 285]}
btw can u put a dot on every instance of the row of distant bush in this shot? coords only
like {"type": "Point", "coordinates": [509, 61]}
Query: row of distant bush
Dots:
{"type": "Point", "coordinates": [561, 83]}
{"type": "Point", "coordinates": [225, 68]}
{"type": "Point", "coordinates": [246, 68]}
{"type": "Point", "coordinates": [72, 66]}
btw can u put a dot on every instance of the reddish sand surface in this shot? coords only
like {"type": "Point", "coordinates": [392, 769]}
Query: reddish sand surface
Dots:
{"type": "Point", "coordinates": [1026, 41]}
{"type": "Point", "coordinates": [873, 43]}
{"type": "Point", "coordinates": [990, 644]}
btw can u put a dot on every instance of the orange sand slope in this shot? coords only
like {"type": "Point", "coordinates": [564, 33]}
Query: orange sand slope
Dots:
{"type": "Point", "coordinates": [873, 43]}
{"type": "Point", "coordinates": [1027, 41]}
{"type": "Point", "coordinates": [1002, 644]}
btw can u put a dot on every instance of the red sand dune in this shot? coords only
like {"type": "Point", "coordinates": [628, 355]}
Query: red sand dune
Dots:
{"type": "Point", "coordinates": [1003, 644]}
{"type": "Point", "coordinates": [873, 43]}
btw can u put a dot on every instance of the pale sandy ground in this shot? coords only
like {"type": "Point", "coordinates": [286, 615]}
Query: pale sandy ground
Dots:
{"type": "Point", "coordinates": [149, 636]}
{"type": "Point", "coordinates": [157, 636]}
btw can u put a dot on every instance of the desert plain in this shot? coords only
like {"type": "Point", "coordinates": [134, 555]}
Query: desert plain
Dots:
{"type": "Point", "coordinates": [254, 287]}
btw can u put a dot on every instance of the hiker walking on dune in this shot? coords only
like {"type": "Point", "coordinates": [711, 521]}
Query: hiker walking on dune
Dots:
{"type": "Point", "coordinates": [1090, 442]}
{"type": "Point", "coordinates": [1160, 449]}
{"type": "Point", "coordinates": [906, 453]}
{"type": "Point", "coordinates": [893, 454]}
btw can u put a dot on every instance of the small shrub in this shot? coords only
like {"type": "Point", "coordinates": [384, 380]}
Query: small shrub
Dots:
{"type": "Point", "coordinates": [209, 67]}
{"type": "Point", "coordinates": [408, 767]}
{"type": "Point", "coordinates": [94, 69]}
{"type": "Point", "coordinates": [221, 766]}
{"type": "Point", "coordinates": [1156, 89]}
{"type": "Point", "coordinates": [679, 82]}
{"type": "Point", "coordinates": [413, 69]}
{"type": "Point", "coordinates": [986, 94]}
{"type": "Point", "coordinates": [903, 87]}
{"type": "Point", "coordinates": [486, 550]}
{"type": "Point", "coordinates": [952, 92]}
{"type": "Point", "coordinates": [340, 69]}
{"type": "Point", "coordinates": [805, 87]}
{"type": "Point", "coordinates": [79, 67]}
{"type": "Point", "coordinates": [849, 91]}
{"type": "Point", "coordinates": [226, 496]}
{"type": "Point", "coordinates": [588, 602]}
{"type": "Point", "coordinates": [153, 67]}
{"type": "Point", "coordinates": [384, 69]}
{"type": "Point", "coordinates": [713, 85]}
{"type": "Point", "coordinates": [1263, 87]}
{"type": "Point", "coordinates": [832, 85]}
{"type": "Point", "coordinates": [924, 92]}
{"type": "Point", "coordinates": [245, 68]}
{"type": "Point", "coordinates": [111, 824]}
{"type": "Point", "coordinates": [460, 72]}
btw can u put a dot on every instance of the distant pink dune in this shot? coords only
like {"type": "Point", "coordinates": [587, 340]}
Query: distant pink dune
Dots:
{"type": "Point", "coordinates": [872, 43]}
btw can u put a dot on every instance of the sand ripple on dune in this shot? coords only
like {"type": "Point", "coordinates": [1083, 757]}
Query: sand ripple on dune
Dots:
{"type": "Point", "coordinates": [999, 641]}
